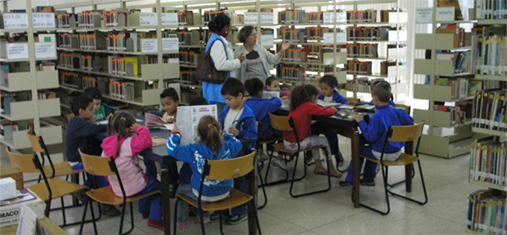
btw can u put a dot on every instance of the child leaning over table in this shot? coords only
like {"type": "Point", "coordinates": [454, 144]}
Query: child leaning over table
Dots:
{"type": "Point", "coordinates": [212, 146]}
{"type": "Point", "coordinates": [375, 132]}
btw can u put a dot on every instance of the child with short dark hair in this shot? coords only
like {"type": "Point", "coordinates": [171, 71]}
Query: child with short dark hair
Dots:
{"type": "Point", "coordinates": [272, 84]}
{"type": "Point", "coordinates": [100, 111]}
{"type": "Point", "coordinates": [170, 100]}
{"type": "Point", "coordinates": [375, 132]}
{"type": "Point", "coordinates": [124, 147]}
{"type": "Point", "coordinates": [239, 120]}
{"type": "Point", "coordinates": [328, 85]}
{"type": "Point", "coordinates": [212, 146]}
{"type": "Point", "coordinates": [303, 105]}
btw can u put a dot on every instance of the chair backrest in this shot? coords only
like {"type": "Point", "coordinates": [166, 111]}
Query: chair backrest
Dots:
{"type": "Point", "coordinates": [230, 168]}
{"type": "Point", "coordinates": [405, 133]}
{"type": "Point", "coordinates": [100, 166]}
{"type": "Point", "coordinates": [403, 107]}
{"type": "Point", "coordinates": [35, 141]}
{"type": "Point", "coordinates": [69, 116]}
{"type": "Point", "coordinates": [281, 123]}
{"type": "Point", "coordinates": [26, 163]}
{"type": "Point", "coordinates": [356, 100]}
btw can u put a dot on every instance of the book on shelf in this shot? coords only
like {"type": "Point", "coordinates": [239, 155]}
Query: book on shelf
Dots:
{"type": "Point", "coordinates": [459, 33]}
{"type": "Point", "coordinates": [460, 7]}
{"type": "Point", "coordinates": [362, 16]}
{"type": "Point", "coordinates": [486, 212]}
{"type": "Point", "coordinates": [459, 86]}
{"type": "Point", "coordinates": [490, 9]}
{"type": "Point", "coordinates": [490, 55]}
{"type": "Point", "coordinates": [4, 75]}
{"type": "Point", "coordinates": [45, 66]}
{"type": "Point", "coordinates": [490, 110]}
{"type": "Point", "coordinates": [121, 89]}
{"type": "Point", "coordinates": [458, 113]}
{"type": "Point", "coordinates": [7, 99]}
{"type": "Point", "coordinates": [44, 9]}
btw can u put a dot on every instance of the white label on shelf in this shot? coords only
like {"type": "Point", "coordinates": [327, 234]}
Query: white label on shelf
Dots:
{"type": "Point", "coordinates": [169, 18]}
{"type": "Point", "coordinates": [267, 40]}
{"type": "Point", "coordinates": [341, 37]}
{"type": "Point", "coordinates": [328, 38]}
{"type": "Point", "coordinates": [504, 125]}
{"type": "Point", "coordinates": [341, 17]}
{"type": "Point", "coordinates": [45, 50]}
{"type": "Point", "coordinates": [327, 17]}
{"type": "Point", "coordinates": [445, 13]}
{"type": "Point", "coordinates": [393, 17]}
{"type": "Point", "coordinates": [266, 17]}
{"type": "Point", "coordinates": [148, 19]}
{"type": "Point", "coordinates": [17, 51]}
{"type": "Point", "coordinates": [251, 18]}
{"type": "Point", "coordinates": [474, 120]}
{"type": "Point", "coordinates": [43, 20]}
{"type": "Point", "coordinates": [15, 21]}
{"type": "Point", "coordinates": [170, 44]}
{"type": "Point", "coordinates": [149, 45]}
{"type": "Point", "coordinates": [424, 15]}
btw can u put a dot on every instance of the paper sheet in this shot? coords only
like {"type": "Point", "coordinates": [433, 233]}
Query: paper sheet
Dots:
{"type": "Point", "coordinates": [188, 125]}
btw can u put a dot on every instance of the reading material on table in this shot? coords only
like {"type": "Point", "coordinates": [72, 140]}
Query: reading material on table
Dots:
{"type": "Point", "coordinates": [188, 120]}
{"type": "Point", "coordinates": [152, 120]}
{"type": "Point", "coordinates": [270, 94]}
{"type": "Point", "coordinates": [327, 104]}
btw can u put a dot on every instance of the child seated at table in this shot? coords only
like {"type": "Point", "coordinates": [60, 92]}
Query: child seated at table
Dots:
{"type": "Point", "coordinates": [375, 82]}
{"type": "Point", "coordinates": [261, 109]}
{"type": "Point", "coordinates": [272, 84]}
{"type": "Point", "coordinates": [124, 147]}
{"type": "Point", "coordinates": [212, 146]}
{"type": "Point", "coordinates": [375, 132]}
{"type": "Point", "coordinates": [303, 105]}
{"type": "Point", "coordinates": [100, 111]}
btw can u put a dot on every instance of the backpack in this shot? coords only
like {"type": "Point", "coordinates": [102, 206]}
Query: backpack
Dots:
{"type": "Point", "coordinates": [206, 71]}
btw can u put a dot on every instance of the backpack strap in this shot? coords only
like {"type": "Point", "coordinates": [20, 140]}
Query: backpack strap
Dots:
{"type": "Point", "coordinates": [225, 49]}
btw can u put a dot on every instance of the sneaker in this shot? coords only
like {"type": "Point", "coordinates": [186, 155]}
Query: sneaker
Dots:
{"type": "Point", "coordinates": [262, 156]}
{"type": "Point", "coordinates": [345, 184]}
{"type": "Point", "coordinates": [236, 219]}
{"type": "Point", "coordinates": [182, 226]}
{"type": "Point", "coordinates": [205, 220]}
{"type": "Point", "coordinates": [215, 216]}
{"type": "Point", "coordinates": [145, 215]}
{"type": "Point", "coordinates": [109, 210]}
{"type": "Point", "coordinates": [81, 195]}
{"type": "Point", "coordinates": [280, 163]}
{"type": "Point", "coordinates": [156, 224]}
{"type": "Point", "coordinates": [339, 160]}
{"type": "Point", "coordinates": [309, 160]}
{"type": "Point", "coordinates": [367, 182]}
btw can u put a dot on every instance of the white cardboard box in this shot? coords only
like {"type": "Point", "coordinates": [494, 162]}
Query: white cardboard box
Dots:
{"type": "Point", "coordinates": [10, 211]}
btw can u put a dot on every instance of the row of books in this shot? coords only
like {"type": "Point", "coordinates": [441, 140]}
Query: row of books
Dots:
{"type": "Point", "coordinates": [291, 16]}
{"type": "Point", "coordinates": [369, 50]}
{"type": "Point", "coordinates": [89, 19]}
{"type": "Point", "coordinates": [186, 37]}
{"type": "Point", "coordinates": [317, 32]}
{"type": "Point", "coordinates": [119, 65]}
{"type": "Point", "coordinates": [362, 16]}
{"type": "Point", "coordinates": [491, 9]}
{"type": "Point", "coordinates": [368, 33]}
{"type": "Point", "coordinates": [459, 86]}
{"type": "Point", "coordinates": [291, 72]}
{"type": "Point", "coordinates": [488, 161]}
{"type": "Point", "coordinates": [490, 110]}
{"type": "Point", "coordinates": [461, 61]}
{"type": "Point", "coordinates": [116, 18]}
{"type": "Point", "coordinates": [360, 84]}
{"type": "Point", "coordinates": [490, 55]}
{"type": "Point", "coordinates": [121, 89]}
{"type": "Point", "coordinates": [459, 34]}
{"type": "Point", "coordinates": [458, 113]}
{"type": "Point", "coordinates": [487, 212]}
{"type": "Point", "coordinates": [188, 57]}
{"type": "Point", "coordinates": [6, 99]}
{"type": "Point", "coordinates": [210, 15]}
{"type": "Point", "coordinates": [297, 35]}
{"type": "Point", "coordinates": [358, 67]}
{"type": "Point", "coordinates": [295, 55]}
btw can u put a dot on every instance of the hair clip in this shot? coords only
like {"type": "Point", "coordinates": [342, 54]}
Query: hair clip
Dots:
{"type": "Point", "coordinates": [122, 118]}
{"type": "Point", "coordinates": [209, 125]}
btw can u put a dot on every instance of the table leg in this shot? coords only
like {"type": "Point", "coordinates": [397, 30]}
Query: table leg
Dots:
{"type": "Point", "coordinates": [166, 203]}
{"type": "Point", "coordinates": [355, 168]}
{"type": "Point", "coordinates": [74, 179]}
{"type": "Point", "coordinates": [409, 149]}
{"type": "Point", "coordinates": [251, 188]}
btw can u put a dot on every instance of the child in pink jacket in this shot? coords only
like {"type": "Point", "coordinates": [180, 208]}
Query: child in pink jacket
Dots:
{"type": "Point", "coordinates": [124, 147]}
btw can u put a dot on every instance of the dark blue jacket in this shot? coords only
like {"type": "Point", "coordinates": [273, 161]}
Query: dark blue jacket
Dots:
{"type": "Point", "coordinates": [336, 97]}
{"type": "Point", "coordinates": [246, 126]}
{"type": "Point", "coordinates": [260, 108]}
{"type": "Point", "coordinates": [76, 136]}
{"type": "Point", "coordinates": [391, 103]}
{"type": "Point", "coordinates": [376, 130]}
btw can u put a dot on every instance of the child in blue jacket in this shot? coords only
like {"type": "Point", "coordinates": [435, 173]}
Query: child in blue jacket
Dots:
{"type": "Point", "coordinates": [375, 132]}
{"type": "Point", "coordinates": [210, 147]}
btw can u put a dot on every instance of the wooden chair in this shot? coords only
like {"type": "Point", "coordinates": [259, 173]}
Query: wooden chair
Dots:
{"type": "Point", "coordinates": [285, 123]}
{"type": "Point", "coordinates": [105, 166]}
{"type": "Point", "coordinates": [221, 170]}
{"type": "Point", "coordinates": [51, 188]}
{"type": "Point", "coordinates": [68, 117]}
{"type": "Point", "coordinates": [400, 134]}
{"type": "Point", "coordinates": [403, 107]}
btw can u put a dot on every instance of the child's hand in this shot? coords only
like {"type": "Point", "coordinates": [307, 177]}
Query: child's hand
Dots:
{"type": "Point", "coordinates": [284, 98]}
{"type": "Point", "coordinates": [170, 120]}
{"type": "Point", "coordinates": [92, 119]}
{"type": "Point", "coordinates": [233, 131]}
{"type": "Point", "coordinates": [358, 118]}
{"type": "Point", "coordinates": [335, 110]}
{"type": "Point", "coordinates": [134, 127]}
{"type": "Point", "coordinates": [175, 128]}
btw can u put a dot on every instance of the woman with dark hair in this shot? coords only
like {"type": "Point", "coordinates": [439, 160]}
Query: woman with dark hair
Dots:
{"type": "Point", "coordinates": [222, 57]}
{"type": "Point", "coordinates": [257, 57]}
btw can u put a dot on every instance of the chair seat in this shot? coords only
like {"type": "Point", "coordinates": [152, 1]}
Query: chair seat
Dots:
{"type": "Point", "coordinates": [281, 147]}
{"type": "Point", "coordinates": [269, 141]}
{"type": "Point", "coordinates": [235, 198]}
{"type": "Point", "coordinates": [59, 188]}
{"type": "Point", "coordinates": [106, 195]}
{"type": "Point", "coordinates": [404, 159]}
{"type": "Point", "coordinates": [61, 169]}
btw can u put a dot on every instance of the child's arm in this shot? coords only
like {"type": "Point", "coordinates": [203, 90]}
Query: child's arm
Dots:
{"type": "Point", "coordinates": [372, 131]}
{"type": "Point", "coordinates": [274, 104]}
{"type": "Point", "coordinates": [250, 130]}
{"type": "Point", "coordinates": [339, 98]}
{"type": "Point", "coordinates": [405, 119]}
{"type": "Point", "coordinates": [232, 144]}
{"type": "Point", "coordinates": [142, 141]}
{"type": "Point", "coordinates": [316, 110]}
{"type": "Point", "coordinates": [182, 153]}
{"type": "Point", "coordinates": [87, 129]}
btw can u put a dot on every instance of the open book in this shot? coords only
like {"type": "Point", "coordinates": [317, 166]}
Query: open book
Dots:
{"type": "Point", "coordinates": [154, 120]}
{"type": "Point", "coordinates": [327, 104]}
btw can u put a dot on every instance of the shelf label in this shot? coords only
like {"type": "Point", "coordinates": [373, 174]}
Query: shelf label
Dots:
{"type": "Point", "coordinates": [169, 18]}
{"type": "Point", "coordinates": [341, 37]}
{"type": "Point", "coordinates": [266, 17]}
{"type": "Point", "coordinates": [327, 17]}
{"type": "Point", "coordinates": [267, 40]}
{"type": "Point", "coordinates": [424, 15]}
{"type": "Point", "coordinates": [341, 17]}
{"type": "Point", "coordinates": [15, 21]}
{"type": "Point", "coordinates": [45, 50]}
{"type": "Point", "coordinates": [17, 51]}
{"type": "Point", "coordinates": [393, 17]}
{"type": "Point", "coordinates": [43, 20]}
{"type": "Point", "coordinates": [149, 45]}
{"type": "Point", "coordinates": [251, 18]}
{"type": "Point", "coordinates": [328, 38]}
{"type": "Point", "coordinates": [148, 19]}
{"type": "Point", "coordinates": [445, 13]}
{"type": "Point", "coordinates": [170, 44]}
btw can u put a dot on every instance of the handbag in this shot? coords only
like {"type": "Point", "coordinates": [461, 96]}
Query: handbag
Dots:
{"type": "Point", "coordinates": [206, 70]}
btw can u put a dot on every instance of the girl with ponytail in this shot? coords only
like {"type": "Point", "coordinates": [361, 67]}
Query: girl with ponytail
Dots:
{"type": "Point", "coordinates": [212, 145]}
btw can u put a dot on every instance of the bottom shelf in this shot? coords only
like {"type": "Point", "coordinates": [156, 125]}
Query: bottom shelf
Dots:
{"type": "Point", "coordinates": [448, 146]}
{"type": "Point", "coordinates": [488, 185]}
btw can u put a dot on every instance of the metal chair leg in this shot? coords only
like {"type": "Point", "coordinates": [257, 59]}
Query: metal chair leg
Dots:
{"type": "Point", "coordinates": [175, 218]}
{"type": "Point", "coordinates": [263, 191]}
{"type": "Point", "coordinates": [313, 192]}
{"type": "Point", "coordinates": [201, 216]}
{"type": "Point", "coordinates": [402, 181]}
{"type": "Point", "coordinates": [83, 217]}
{"type": "Point", "coordinates": [221, 225]}
{"type": "Point", "coordinates": [424, 189]}
{"type": "Point", "coordinates": [122, 217]}
{"type": "Point", "coordinates": [93, 218]}
{"type": "Point", "coordinates": [384, 179]}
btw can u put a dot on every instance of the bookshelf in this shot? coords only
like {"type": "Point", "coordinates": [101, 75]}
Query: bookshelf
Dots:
{"type": "Point", "coordinates": [28, 95]}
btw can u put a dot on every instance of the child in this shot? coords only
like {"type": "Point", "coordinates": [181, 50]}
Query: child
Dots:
{"type": "Point", "coordinates": [303, 105]}
{"type": "Point", "coordinates": [391, 103]}
{"type": "Point", "coordinates": [328, 84]}
{"type": "Point", "coordinates": [239, 120]}
{"type": "Point", "coordinates": [210, 147]}
{"type": "Point", "coordinates": [124, 147]}
{"type": "Point", "coordinates": [272, 84]}
{"type": "Point", "coordinates": [261, 108]}
{"type": "Point", "coordinates": [80, 130]}
{"type": "Point", "coordinates": [375, 132]}
{"type": "Point", "coordinates": [100, 111]}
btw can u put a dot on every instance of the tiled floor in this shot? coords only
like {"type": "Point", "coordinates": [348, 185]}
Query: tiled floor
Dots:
{"type": "Point", "coordinates": [333, 212]}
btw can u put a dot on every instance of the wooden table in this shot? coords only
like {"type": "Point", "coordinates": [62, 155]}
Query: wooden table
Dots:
{"type": "Point", "coordinates": [49, 225]}
{"type": "Point", "coordinates": [9, 171]}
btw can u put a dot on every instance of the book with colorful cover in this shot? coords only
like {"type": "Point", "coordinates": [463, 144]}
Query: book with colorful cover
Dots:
{"type": "Point", "coordinates": [152, 120]}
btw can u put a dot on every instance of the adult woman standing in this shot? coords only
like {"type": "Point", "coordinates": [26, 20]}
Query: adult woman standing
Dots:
{"type": "Point", "coordinates": [257, 57]}
{"type": "Point", "coordinates": [222, 57]}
